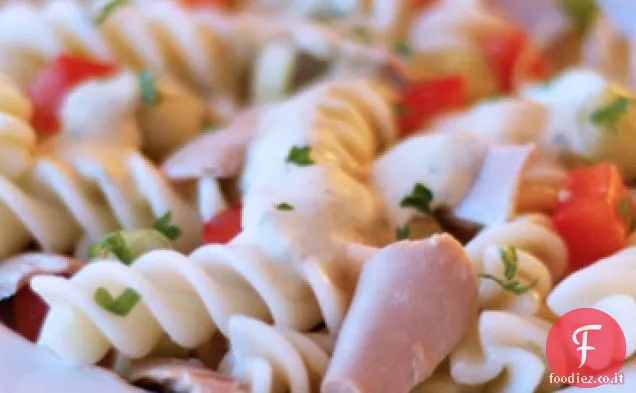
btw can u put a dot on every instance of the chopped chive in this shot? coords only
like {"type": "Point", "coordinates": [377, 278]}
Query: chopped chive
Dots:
{"type": "Point", "coordinates": [148, 87]}
{"type": "Point", "coordinates": [164, 226]}
{"type": "Point", "coordinates": [284, 206]}
{"type": "Point", "coordinates": [107, 9]}
{"type": "Point", "coordinates": [112, 244]}
{"type": "Point", "coordinates": [122, 305]}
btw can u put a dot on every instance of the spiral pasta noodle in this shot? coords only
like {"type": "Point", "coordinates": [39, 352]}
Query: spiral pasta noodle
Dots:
{"type": "Point", "coordinates": [606, 285]}
{"type": "Point", "coordinates": [541, 258]}
{"type": "Point", "coordinates": [70, 194]}
{"type": "Point", "coordinates": [186, 297]}
{"type": "Point", "coordinates": [344, 124]}
{"type": "Point", "coordinates": [105, 189]}
{"type": "Point", "coordinates": [23, 217]}
{"type": "Point", "coordinates": [275, 359]}
{"type": "Point", "coordinates": [161, 37]}
{"type": "Point", "coordinates": [505, 352]}
{"type": "Point", "coordinates": [279, 267]}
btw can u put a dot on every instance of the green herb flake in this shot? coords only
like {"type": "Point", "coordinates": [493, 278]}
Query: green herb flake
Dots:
{"type": "Point", "coordinates": [509, 257]}
{"type": "Point", "coordinates": [210, 127]}
{"type": "Point", "coordinates": [582, 13]}
{"type": "Point", "coordinates": [402, 49]}
{"type": "Point", "coordinates": [420, 198]}
{"type": "Point", "coordinates": [403, 233]}
{"type": "Point", "coordinates": [122, 305]}
{"type": "Point", "coordinates": [361, 33]}
{"type": "Point", "coordinates": [112, 244]}
{"type": "Point", "coordinates": [510, 260]}
{"type": "Point", "coordinates": [511, 286]}
{"type": "Point", "coordinates": [300, 156]}
{"type": "Point", "coordinates": [165, 227]}
{"type": "Point", "coordinates": [148, 87]}
{"type": "Point", "coordinates": [107, 9]}
{"type": "Point", "coordinates": [284, 207]}
{"type": "Point", "coordinates": [609, 115]}
{"type": "Point", "coordinates": [625, 211]}
{"type": "Point", "coordinates": [399, 109]}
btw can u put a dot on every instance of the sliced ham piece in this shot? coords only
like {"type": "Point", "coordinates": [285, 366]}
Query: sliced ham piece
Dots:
{"type": "Point", "coordinates": [183, 376]}
{"type": "Point", "coordinates": [414, 302]}
{"type": "Point", "coordinates": [218, 154]}
{"type": "Point", "coordinates": [16, 272]}
{"type": "Point", "coordinates": [492, 198]}
{"type": "Point", "coordinates": [26, 368]}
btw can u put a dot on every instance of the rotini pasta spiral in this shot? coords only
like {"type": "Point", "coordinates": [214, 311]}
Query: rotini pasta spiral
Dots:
{"type": "Point", "coordinates": [541, 256]}
{"type": "Point", "coordinates": [185, 297]}
{"type": "Point", "coordinates": [159, 36]}
{"type": "Point", "coordinates": [274, 359]}
{"type": "Point", "coordinates": [343, 125]}
{"type": "Point", "coordinates": [607, 285]}
{"type": "Point", "coordinates": [104, 189]}
{"type": "Point", "coordinates": [22, 216]}
{"type": "Point", "coordinates": [505, 353]}
{"type": "Point", "coordinates": [17, 139]}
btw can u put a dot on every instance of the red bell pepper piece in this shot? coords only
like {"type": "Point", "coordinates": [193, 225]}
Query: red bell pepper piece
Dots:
{"type": "Point", "coordinates": [503, 53]}
{"type": "Point", "coordinates": [223, 227]}
{"type": "Point", "coordinates": [422, 101]}
{"type": "Point", "coordinates": [48, 90]}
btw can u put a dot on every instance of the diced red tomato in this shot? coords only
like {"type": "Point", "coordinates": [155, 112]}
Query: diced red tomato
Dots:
{"type": "Point", "coordinates": [224, 227]}
{"type": "Point", "coordinates": [29, 312]}
{"type": "Point", "coordinates": [503, 52]}
{"type": "Point", "coordinates": [593, 216]}
{"type": "Point", "coordinates": [48, 90]}
{"type": "Point", "coordinates": [424, 100]}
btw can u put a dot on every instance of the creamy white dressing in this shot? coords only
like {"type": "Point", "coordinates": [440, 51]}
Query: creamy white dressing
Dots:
{"type": "Point", "coordinates": [103, 111]}
{"type": "Point", "coordinates": [574, 100]}
{"type": "Point", "coordinates": [329, 120]}
{"type": "Point", "coordinates": [112, 112]}
{"type": "Point", "coordinates": [447, 164]}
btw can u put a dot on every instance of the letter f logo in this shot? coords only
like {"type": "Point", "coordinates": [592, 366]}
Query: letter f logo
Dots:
{"type": "Point", "coordinates": [583, 344]}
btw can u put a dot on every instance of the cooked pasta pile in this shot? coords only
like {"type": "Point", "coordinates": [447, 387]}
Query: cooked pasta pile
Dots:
{"type": "Point", "coordinates": [292, 196]}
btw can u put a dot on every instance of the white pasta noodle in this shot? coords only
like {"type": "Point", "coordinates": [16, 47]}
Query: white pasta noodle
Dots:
{"type": "Point", "coordinates": [432, 160]}
{"type": "Point", "coordinates": [22, 216]}
{"type": "Point", "coordinates": [186, 297]}
{"type": "Point", "coordinates": [287, 266]}
{"type": "Point", "coordinates": [73, 194]}
{"type": "Point", "coordinates": [274, 359]}
{"type": "Point", "coordinates": [344, 124]}
{"type": "Point", "coordinates": [505, 352]}
{"type": "Point", "coordinates": [541, 254]}
{"type": "Point", "coordinates": [105, 189]}
{"type": "Point", "coordinates": [159, 36]}
{"type": "Point", "coordinates": [606, 285]}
